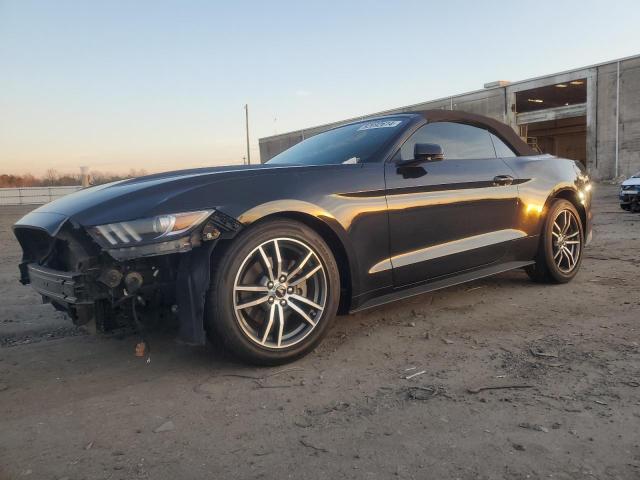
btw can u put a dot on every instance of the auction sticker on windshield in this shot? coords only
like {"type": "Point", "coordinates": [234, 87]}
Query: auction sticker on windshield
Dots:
{"type": "Point", "coordinates": [381, 124]}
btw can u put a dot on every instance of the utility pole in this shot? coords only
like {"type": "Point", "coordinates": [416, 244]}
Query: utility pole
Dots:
{"type": "Point", "coordinates": [84, 176]}
{"type": "Point", "coordinates": [246, 117]}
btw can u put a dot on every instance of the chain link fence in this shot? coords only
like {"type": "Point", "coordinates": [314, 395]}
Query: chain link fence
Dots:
{"type": "Point", "coordinates": [34, 195]}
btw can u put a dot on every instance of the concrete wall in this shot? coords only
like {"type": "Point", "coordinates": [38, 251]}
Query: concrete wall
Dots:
{"type": "Point", "coordinates": [628, 121]}
{"type": "Point", "coordinates": [601, 113]}
{"type": "Point", "coordinates": [604, 162]}
{"type": "Point", "coordinates": [629, 132]}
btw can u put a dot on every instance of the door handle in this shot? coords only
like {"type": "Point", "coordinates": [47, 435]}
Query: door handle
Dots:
{"type": "Point", "coordinates": [502, 180]}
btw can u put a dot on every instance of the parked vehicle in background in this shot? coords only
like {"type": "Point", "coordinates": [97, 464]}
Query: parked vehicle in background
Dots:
{"type": "Point", "coordinates": [263, 257]}
{"type": "Point", "coordinates": [630, 194]}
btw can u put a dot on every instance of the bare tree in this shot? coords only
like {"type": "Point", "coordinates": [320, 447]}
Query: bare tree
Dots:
{"type": "Point", "coordinates": [137, 173]}
{"type": "Point", "coordinates": [51, 176]}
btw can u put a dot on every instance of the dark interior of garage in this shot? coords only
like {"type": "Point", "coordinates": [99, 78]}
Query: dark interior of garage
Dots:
{"type": "Point", "coordinates": [552, 96]}
{"type": "Point", "coordinates": [561, 127]}
{"type": "Point", "coordinates": [565, 138]}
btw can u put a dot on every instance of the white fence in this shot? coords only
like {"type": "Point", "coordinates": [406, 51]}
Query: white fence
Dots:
{"type": "Point", "coordinates": [33, 195]}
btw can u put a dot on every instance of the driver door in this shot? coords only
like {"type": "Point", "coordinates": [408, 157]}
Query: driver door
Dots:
{"type": "Point", "coordinates": [449, 215]}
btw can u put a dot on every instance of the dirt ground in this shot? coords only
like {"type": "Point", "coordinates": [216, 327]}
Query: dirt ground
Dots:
{"type": "Point", "coordinates": [387, 395]}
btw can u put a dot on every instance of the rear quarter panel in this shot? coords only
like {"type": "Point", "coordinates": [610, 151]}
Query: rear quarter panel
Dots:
{"type": "Point", "coordinates": [541, 178]}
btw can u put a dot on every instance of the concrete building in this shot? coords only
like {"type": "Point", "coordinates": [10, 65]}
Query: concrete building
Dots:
{"type": "Point", "coordinates": [590, 114]}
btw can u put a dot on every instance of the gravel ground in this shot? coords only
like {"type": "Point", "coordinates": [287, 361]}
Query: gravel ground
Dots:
{"type": "Point", "coordinates": [389, 394]}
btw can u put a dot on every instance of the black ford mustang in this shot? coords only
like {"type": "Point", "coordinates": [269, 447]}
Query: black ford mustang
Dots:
{"type": "Point", "coordinates": [263, 257]}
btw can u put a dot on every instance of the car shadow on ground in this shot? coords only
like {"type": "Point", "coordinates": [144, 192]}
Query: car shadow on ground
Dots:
{"type": "Point", "coordinates": [90, 357]}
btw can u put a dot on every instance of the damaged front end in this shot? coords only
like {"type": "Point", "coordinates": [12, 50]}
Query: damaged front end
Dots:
{"type": "Point", "coordinates": [108, 276]}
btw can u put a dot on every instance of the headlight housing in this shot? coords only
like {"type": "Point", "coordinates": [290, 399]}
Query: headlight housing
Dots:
{"type": "Point", "coordinates": [161, 228]}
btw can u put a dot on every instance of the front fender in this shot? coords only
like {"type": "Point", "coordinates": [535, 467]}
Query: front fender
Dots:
{"type": "Point", "coordinates": [315, 214]}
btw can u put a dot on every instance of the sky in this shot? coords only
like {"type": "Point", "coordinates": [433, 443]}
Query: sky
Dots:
{"type": "Point", "coordinates": [161, 85]}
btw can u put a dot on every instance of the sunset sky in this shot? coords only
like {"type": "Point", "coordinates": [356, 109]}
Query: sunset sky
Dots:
{"type": "Point", "coordinates": [161, 85]}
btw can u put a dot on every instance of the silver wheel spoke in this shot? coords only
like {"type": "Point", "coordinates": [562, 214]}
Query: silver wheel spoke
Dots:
{"type": "Point", "coordinates": [280, 324]}
{"type": "Point", "coordinates": [556, 254]}
{"type": "Point", "coordinates": [253, 303]}
{"type": "Point", "coordinates": [278, 257]}
{"type": "Point", "coordinates": [267, 330]}
{"type": "Point", "coordinates": [572, 242]}
{"type": "Point", "coordinates": [308, 275]}
{"type": "Point", "coordinates": [567, 221]}
{"type": "Point", "coordinates": [250, 288]}
{"type": "Point", "coordinates": [305, 300]}
{"type": "Point", "coordinates": [302, 314]}
{"type": "Point", "coordinates": [562, 256]}
{"type": "Point", "coordinates": [575, 234]}
{"type": "Point", "coordinates": [301, 266]}
{"type": "Point", "coordinates": [569, 255]}
{"type": "Point", "coordinates": [267, 262]}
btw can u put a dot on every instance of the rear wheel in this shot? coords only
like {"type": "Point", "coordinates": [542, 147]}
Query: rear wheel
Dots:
{"type": "Point", "coordinates": [560, 251]}
{"type": "Point", "coordinates": [274, 292]}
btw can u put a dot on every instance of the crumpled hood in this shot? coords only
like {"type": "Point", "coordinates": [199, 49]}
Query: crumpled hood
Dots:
{"type": "Point", "coordinates": [169, 192]}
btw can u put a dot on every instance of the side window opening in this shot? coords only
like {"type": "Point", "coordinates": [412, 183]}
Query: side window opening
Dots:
{"type": "Point", "coordinates": [502, 149]}
{"type": "Point", "coordinates": [458, 141]}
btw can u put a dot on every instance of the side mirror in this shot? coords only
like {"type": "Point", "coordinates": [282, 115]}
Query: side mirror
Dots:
{"type": "Point", "coordinates": [427, 152]}
{"type": "Point", "coordinates": [424, 152]}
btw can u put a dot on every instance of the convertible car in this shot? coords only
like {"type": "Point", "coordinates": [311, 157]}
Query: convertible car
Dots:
{"type": "Point", "coordinates": [262, 258]}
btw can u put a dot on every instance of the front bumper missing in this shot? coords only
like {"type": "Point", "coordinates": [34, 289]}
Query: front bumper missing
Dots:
{"type": "Point", "coordinates": [62, 287]}
{"type": "Point", "coordinates": [175, 274]}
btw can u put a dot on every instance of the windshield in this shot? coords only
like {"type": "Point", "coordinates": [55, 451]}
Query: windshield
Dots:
{"type": "Point", "coordinates": [637, 175]}
{"type": "Point", "coordinates": [353, 143]}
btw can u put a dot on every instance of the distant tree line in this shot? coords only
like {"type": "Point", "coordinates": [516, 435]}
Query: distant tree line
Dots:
{"type": "Point", "coordinates": [54, 179]}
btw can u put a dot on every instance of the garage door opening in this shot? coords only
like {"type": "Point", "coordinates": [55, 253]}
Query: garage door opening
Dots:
{"type": "Point", "coordinates": [553, 118]}
{"type": "Point", "coordinates": [565, 138]}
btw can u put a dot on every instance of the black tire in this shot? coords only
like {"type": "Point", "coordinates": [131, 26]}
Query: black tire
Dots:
{"type": "Point", "coordinates": [545, 269]}
{"type": "Point", "coordinates": [222, 317]}
{"type": "Point", "coordinates": [625, 206]}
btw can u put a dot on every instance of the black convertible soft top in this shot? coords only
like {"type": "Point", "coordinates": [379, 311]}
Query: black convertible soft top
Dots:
{"type": "Point", "coordinates": [505, 132]}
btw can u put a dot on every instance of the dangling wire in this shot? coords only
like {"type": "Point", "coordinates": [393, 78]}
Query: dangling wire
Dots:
{"type": "Point", "coordinates": [142, 346]}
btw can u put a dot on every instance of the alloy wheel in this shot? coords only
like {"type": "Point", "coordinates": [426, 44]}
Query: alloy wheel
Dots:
{"type": "Point", "coordinates": [566, 241]}
{"type": "Point", "coordinates": [280, 293]}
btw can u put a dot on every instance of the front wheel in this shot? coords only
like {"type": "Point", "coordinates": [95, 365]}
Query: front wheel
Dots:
{"type": "Point", "coordinates": [560, 251]}
{"type": "Point", "coordinates": [274, 292]}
